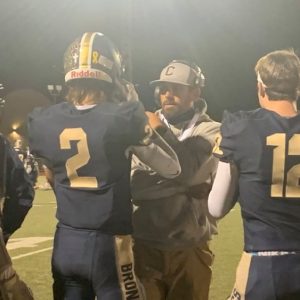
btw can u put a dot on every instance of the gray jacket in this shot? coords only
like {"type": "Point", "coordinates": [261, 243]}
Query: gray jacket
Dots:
{"type": "Point", "coordinates": [172, 214]}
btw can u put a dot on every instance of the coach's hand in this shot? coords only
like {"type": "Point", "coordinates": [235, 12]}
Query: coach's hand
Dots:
{"type": "Point", "coordinates": [154, 120]}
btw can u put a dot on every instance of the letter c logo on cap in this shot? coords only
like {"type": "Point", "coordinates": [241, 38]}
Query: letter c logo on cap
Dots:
{"type": "Point", "coordinates": [169, 71]}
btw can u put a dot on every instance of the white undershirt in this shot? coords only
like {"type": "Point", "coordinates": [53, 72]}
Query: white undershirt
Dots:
{"type": "Point", "coordinates": [187, 132]}
{"type": "Point", "coordinates": [83, 107]}
{"type": "Point", "coordinates": [223, 195]}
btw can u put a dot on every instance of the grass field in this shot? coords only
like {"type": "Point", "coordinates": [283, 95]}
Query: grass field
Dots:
{"type": "Point", "coordinates": [31, 246]}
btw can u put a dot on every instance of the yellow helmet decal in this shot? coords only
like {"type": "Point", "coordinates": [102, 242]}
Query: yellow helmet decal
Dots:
{"type": "Point", "coordinates": [86, 47]}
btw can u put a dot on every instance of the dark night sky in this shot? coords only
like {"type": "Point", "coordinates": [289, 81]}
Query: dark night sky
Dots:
{"type": "Point", "coordinates": [225, 37]}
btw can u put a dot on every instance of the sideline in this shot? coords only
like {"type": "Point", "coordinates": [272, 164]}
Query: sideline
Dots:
{"type": "Point", "coordinates": [30, 253]}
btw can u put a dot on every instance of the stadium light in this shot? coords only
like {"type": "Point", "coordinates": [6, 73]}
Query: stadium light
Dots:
{"type": "Point", "coordinates": [54, 90]}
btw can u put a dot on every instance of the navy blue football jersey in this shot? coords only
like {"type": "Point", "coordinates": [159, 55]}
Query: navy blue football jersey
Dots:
{"type": "Point", "coordinates": [85, 149]}
{"type": "Point", "coordinates": [265, 147]}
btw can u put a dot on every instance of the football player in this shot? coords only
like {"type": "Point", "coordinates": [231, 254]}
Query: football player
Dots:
{"type": "Point", "coordinates": [16, 196]}
{"type": "Point", "coordinates": [86, 144]}
{"type": "Point", "coordinates": [259, 166]}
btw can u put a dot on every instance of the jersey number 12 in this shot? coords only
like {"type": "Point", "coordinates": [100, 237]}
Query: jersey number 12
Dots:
{"type": "Point", "coordinates": [292, 187]}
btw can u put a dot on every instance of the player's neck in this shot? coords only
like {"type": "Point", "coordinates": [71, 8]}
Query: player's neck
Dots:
{"type": "Point", "coordinates": [284, 108]}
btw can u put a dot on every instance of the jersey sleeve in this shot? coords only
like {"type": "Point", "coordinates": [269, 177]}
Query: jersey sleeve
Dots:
{"type": "Point", "coordinates": [226, 142]}
{"type": "Point", "coordinates": [137, 123]}
{"type": "Point", "coordinates": [37, 123]}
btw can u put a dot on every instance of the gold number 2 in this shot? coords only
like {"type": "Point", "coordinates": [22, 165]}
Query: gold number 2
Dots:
{"type": "Point", "coordinates": [292, 189]}
{"type": "Point", "coordinates": [78, 160]}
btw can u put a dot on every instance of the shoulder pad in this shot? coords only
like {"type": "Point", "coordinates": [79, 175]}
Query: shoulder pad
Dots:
{"type": "Point", "coordinates": [234, 123]}
{"type": "Point", "coordinates": [130, 107]}
{"type": "Point", "coordinates": [48, 111]}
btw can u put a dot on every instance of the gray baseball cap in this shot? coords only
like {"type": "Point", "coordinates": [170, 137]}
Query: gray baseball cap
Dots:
{"type": "Point", "coordinates": [177, 72]}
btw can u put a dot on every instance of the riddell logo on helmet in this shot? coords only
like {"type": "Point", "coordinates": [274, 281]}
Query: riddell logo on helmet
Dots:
{"type": "Point", "coordinates": [85, 74]}
{"type": "Point", "coordinates": [88, 73]}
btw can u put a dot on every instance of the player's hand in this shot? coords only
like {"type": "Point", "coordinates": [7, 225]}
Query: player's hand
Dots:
{"type": "Point", "coordinates": [154, 120]}
{"type": "Point", "coordinates": [124, 91]}
{"type": "Point", "coordinates": [132, 94]}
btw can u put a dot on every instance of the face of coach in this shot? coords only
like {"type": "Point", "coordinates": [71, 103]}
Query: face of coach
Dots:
{"type": "Point", "coordinates": [177, 90]}
{"type": "Point", "coordinates": [176, 99]}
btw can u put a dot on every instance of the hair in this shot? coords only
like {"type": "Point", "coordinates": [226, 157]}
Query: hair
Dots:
{"type": "Point", "coordinates": [79, 89]}
{"type": "Point", "coordinates": [280, 72]}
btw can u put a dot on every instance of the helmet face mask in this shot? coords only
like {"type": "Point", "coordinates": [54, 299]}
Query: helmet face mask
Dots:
{"type": "Point", "coordinates": [92, 56]}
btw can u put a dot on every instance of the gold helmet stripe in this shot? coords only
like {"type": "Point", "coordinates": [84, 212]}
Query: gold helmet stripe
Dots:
{"type": "Point", "coordinates": [86, 47]}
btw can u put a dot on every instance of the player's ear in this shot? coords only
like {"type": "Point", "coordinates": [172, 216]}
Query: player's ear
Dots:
{"type": "Point", "coordinates": [261, 90]}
